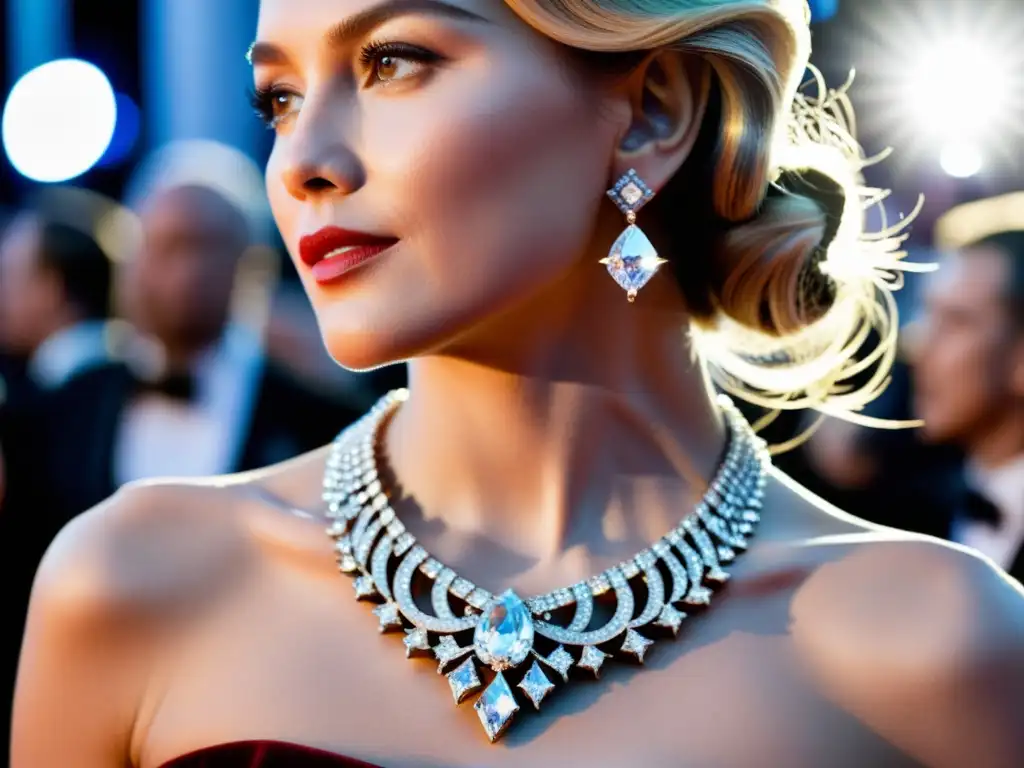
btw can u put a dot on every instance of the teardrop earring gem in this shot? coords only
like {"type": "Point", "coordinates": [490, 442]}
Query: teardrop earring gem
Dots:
{"type": "Point", "coordinates": [632, 260]}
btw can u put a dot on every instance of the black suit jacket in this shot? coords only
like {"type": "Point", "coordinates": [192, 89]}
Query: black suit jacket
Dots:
{"type": "Point", "coordinates": [81, 421]}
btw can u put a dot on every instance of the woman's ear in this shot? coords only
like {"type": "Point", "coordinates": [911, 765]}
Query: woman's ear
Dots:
{"type": "Point", "coordinates": [668, 95]}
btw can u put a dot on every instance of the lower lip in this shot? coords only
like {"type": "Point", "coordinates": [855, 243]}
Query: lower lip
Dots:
{"type": "Point", "coordinates": [336, 266]}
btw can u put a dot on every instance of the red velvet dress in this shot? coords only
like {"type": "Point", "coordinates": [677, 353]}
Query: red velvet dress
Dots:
{"type": "Point", "coordinates": [264, 754]}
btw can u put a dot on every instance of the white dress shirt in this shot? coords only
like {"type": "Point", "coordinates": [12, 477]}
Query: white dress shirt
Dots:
{"type": "Point", "coordinates": [162, 437]}
{"type": "Point", "coordinates": [1004, 487]}
{"type": "Point", "coordinates": [68, 352]}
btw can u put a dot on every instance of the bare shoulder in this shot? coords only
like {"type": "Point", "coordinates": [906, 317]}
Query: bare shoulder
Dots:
{"type": "Point", "coordinates": [144, 548]}
{"type": "Point", "coordinates": [887, 593]}
{"type": "Point", "coordinates": [156, 544]}
{"type": "Point", "coordinates": [115, 589]}
{"type": "Point", "coordinates": [881, 592]}
{"type": "Point", "coordinates": [108, 589]}
{"type": "Point", "coordinates": [921, 639]}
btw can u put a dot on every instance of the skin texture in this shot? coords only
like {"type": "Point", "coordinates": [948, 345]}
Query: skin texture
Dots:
{"type": "Point", "coordinates": [969, 358]}
{"type": "Point", "coordinates": [553, 431]}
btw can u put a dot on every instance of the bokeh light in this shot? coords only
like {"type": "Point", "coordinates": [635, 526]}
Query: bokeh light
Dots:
{"type": "Point", "coordinates": [945, 84]}
{"type": "Point", "coordinates": [957, 89]}
{"type": "Point", "coordinates": [127, 131]}
{"type": "Point", "coordinates": [58, 120]}
{"type": "Point", "coordinates": [961, 159]}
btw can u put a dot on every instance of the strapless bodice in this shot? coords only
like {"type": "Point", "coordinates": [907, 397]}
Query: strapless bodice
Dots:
{"type": "Point", "coordinates": [264, 754]}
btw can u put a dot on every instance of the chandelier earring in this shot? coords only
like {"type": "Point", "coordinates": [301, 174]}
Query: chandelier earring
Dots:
{"type": "Point", "coordinates": [633, 260]}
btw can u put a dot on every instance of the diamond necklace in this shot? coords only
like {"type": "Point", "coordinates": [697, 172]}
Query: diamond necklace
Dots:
{"type": "Point", "coordinates": [505, 642]}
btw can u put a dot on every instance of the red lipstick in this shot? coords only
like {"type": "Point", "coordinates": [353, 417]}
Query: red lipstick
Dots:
{"type": "Point", "coordinates": [333, 252]}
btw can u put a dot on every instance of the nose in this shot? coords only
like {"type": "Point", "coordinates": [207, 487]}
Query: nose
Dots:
{"type": "Point", "coordinates": [319, 162]}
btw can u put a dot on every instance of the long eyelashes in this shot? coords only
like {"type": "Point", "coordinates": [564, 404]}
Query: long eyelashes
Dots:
{"type": "Point", "coordinates": [382, 64]}
{"type": "Point", "coordinates": [271, 104]}
{"type": "Point", "coordinates": [261, 100]}
{"type": "Point", "coordinates": [376, 53]}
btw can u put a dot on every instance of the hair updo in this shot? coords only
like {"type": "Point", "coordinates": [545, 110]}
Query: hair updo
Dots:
{"type": "Point", "coordinates": [794, 288]}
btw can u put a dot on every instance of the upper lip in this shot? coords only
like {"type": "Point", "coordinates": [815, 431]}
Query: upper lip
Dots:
{"type": "Point", "coordinates": [315, 247]}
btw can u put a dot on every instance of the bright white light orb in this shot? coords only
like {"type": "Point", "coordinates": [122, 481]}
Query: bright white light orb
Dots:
{"type": "Point", "coordinates": [959, 88]}
{"type": "Point", "coordinates": [961, 159]}
{"type": "Point", "coordinates": [58, 120]}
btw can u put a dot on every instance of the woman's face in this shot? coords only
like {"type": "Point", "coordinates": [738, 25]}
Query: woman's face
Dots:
{"type": "Point", "coordinates": [459, 155]}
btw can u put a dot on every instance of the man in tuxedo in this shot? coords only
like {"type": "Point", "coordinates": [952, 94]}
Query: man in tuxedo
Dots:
{"type": "Point", "coordinates": [195, 395]}
{"type": "Point", "coordinates": [969, 374]}
{"type": "Point", "coordinates": [55, 283]}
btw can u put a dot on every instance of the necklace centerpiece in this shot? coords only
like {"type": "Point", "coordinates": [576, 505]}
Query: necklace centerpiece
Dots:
{"type": "Point", "coordinates": [504, 637]}
{"type": "Point", "coordinates": [519, 652]}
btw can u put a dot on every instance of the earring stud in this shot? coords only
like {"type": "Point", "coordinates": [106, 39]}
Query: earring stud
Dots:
{"type": "Point", "coordinates": [632, 260]}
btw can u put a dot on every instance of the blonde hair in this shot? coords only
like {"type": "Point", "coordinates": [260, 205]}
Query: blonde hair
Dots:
{"type": "Point", "coordinates": [760, 336]}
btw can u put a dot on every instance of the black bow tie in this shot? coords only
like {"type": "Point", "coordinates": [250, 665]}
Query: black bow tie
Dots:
{"type": "Point", "coordinates": [981, 510]}
{"type": "Point", "coordinates": [174, 386]}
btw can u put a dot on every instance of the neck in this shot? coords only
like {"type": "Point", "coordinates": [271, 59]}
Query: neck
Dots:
{"type": "Point", "coordinates": [1002, 442]}
{"type": "Point", "coordinates": [579, 420]}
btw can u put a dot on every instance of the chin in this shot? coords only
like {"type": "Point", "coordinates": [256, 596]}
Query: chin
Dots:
{"type": "Point", "coordinates": [362, 349]}
{"type": "Point", "coordinates": [378, 323]}
{"type": "Point", "coordinates": [362, 341]}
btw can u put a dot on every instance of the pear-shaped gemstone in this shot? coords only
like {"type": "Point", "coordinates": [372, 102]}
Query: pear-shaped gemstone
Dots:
{"type": "Point", "coordinates": [504, 636]}
{"type": "Point", "coordinates": [632, 260]}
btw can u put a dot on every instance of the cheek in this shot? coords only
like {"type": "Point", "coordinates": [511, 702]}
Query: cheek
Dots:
{"type": "Point", "coordinates": [500, 180]}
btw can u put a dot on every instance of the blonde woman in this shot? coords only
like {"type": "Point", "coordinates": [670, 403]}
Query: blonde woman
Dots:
{"type": "Point", "coordinates": [532, 202]}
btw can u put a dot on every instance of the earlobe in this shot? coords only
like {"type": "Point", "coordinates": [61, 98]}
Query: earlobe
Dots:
{"type": "Point", "coordinates": [668, 97]}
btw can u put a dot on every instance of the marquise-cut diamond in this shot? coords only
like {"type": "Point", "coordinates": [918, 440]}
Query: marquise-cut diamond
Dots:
{"type": "Point", "coordinates": [496, 707]}
{"type": "Point", "coordinates": [364, 587]}
{"type": "Point", "coordinates": [388, 616]}
{"type": "Point", "coordinates": [536, 685]}
{"type": "Point", "coordinates": [561, 661]}
{"type": "Point", "coordinates": [592, 659]}
{"type": "Point", "coordinates": [698, 596]}
{"type": "Point", "coordinates": [448, 650]}
{"type": "Point", "coordinates": [464, 681]}
{"type": "Point", "coordinates": [504, 636]}
{"type": "Point", "coordinates": [632, 260]}
{"type": "Point", "coordinates": [416, 640]}
{"type": "Point", "coordinates": [717, 575]}
{"type": "Point", "coordinates": [636, 645]}
{"type": "Point", "coordinates": [347, 564]}
{"type": "Point", "coordinates": [670, 619]}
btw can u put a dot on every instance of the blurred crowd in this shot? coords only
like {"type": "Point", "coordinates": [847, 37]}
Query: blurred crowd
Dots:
{"type": "Point", "coordinates": [162, 335]}
{"type": "Point", "coordinates": [159, 336]}
{"type": "Point", "coordinates": [958, 472]}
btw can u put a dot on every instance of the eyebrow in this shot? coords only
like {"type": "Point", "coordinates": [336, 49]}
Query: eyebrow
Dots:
{"type": "Point", "coordinates": [362, 23]}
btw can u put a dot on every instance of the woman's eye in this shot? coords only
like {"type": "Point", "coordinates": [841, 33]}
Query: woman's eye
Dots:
{"type": "Point", "coordinates": [273, 105]}
{"type": "Point", "coordinates": [391, 68]}
{"type": "Point", "coordinates": [387, 63]}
